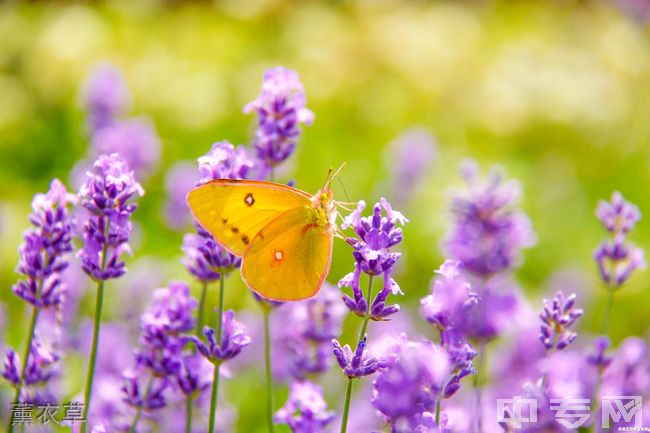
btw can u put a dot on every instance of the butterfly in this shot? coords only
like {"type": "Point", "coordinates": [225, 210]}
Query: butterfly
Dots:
{"type": "Point", "coordinates": [284, 235]}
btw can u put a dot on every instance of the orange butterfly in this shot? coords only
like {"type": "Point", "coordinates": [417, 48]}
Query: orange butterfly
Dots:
{"type": "Point", "coordinates": [283, 234]}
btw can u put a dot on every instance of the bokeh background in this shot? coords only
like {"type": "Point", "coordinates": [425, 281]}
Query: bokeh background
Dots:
{"type": "Point", "coordinates": [555, 92]}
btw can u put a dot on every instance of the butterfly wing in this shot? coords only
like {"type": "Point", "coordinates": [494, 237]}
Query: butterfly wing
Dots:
{"type": "Point", "coordinates": [290, 257]}
{"type": "Point", "coordinates": [234, 211]}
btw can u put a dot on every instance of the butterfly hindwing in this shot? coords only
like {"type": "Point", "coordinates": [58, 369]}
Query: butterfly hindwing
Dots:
{"type": "Point", "coordinates": [234, 211]}
{"type": "Point", "coordinates": [290, 257]}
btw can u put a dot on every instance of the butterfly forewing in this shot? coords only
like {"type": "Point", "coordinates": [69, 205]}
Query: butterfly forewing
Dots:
{"type": "Point", "coordinates": [234, 211]}
{"type": "Point", "coordinates": [290, 257]}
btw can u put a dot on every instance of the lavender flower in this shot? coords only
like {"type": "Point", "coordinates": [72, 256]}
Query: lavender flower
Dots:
{"type": "Point", "coordinates": [409, 158]}
{"type": "Point", "coordinates": [488, 231]}
{"type": "Point", "coordinates": [452, 298]}
{"type": "Point", "coordinates": [41, 366]}
{"type": "Point", "coordinates": [109, 187]}
{"type": "Point", "coordinates": [406, 390]}
{"type": "Point", "coordinates": [557, 317]}
{"type": "Point", "coordinates": [357, 364]}
{"type": "Point", "coordinates": [599, 358]}
{"type": "Point", "coordinates": [280, 109]}
{"type": "Point", "coordinates": [160, 354]}
{"type": "Point", "coordinates": [234, 338]}
{"type": "Point", "coordinates": [306, 410]}
{"type": "Point", "coordinates": [460, 353]}
{"type": "Point", "coordinates": [616, 258]}
{"type": "Point", "coordinates": [42, 253]}
{"type": "Point", "coordinates": [377, 234]}
{"type": "Point", "coordinates": [105, 96]}
{"type": "Point", "coordinates": [134, 139]}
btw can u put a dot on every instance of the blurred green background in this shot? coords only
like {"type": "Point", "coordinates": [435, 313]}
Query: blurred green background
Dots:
{"type": "Point", "coordinates": [554, 91]}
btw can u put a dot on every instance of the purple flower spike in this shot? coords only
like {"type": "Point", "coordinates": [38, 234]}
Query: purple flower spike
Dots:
{"type": "Point", "coordinates": [306, 410]}
{"type": "Point", "coordinates": [280, 109]}
{"type": "Point", "coordinates": [135, 396]}
{"type": "Point", "coordinates": [557, 316]}
{"type": "Point", "coordinates": [41, 365]}
{"type": "Point", "coordinates": [134, 139]}
{"type": "Point", "coordinates": [489, 231]}
{"type": "Point", "coordinates": [616, 258]}
{"type": "Point", "coordinates": [406, 390]}
{"type": "Point", "coordinates": [599, 358]}
{"type": "Point", "coordinates": [234, 338]}
{"type": "Point", "coordinates": [42, 254]}
{"type": "Point", "coordinates": [172, 309]}
{"type": "Point", "coordinates": [105, 96]}
{"type": "Point", "coordinates": [109, 187]}
{"type": "Point", "coordinates": [618, 215]}
{"type": "Point", "coordinates": [452, 298]}
{"type": "Point", "coordinates": [224, 161]}
{"type": "Point", "coordinates": [357, 364]}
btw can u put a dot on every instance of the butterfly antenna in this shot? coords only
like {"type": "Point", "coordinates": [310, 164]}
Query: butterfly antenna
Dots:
{"type": "Point", "coordinates": [344, 190]}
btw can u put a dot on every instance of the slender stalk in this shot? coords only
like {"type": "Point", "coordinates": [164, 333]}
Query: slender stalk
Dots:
{"type": "Point", "coordinates": [608, 311]}
{"type": "Point", "coordinates": [438, 406]}
{"type": "Point", "coordinates": [30, 339]}
{"type": "Point", "coordinates": [267, 366]}
{"type": "Point", "coordinates": [99, 303]}
{"type": "Point", "coordinates": [362, 334]}
{"type": "Point", "coordinates": [188, 414]}
{"type": "Point", "coordinates": [201, 313]}
{"type": "Point", "coordinates": [346, 406]}
{"type": "Point", "coordinates": [215, 380]}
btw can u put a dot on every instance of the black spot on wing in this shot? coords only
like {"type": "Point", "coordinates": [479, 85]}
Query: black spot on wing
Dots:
{"type": "Point", "coordinates": [249, 200]}
{"type": "Point", "coordinates": [245, 240]}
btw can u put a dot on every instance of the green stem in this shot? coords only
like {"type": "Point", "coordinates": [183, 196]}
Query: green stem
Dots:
{"type": "Point", "coordinates": [608, 311]}
{"type": "Point", "coordinates": [346, 406]}
{"type": "Point", "coordinates": [267, 366]}
{"type": "Point", "coordinates": [438, 406]}
{"type": "Point", "coordinates": [188, 414]}
{"type": "Point", "coordinates": [30, 339]}
{"type": "Point", "coordinates": [362, 334]}
{"type": "Point", "coordinates": [93, 353]}
{"type": "Point", "coordinates": [99, 303]}
{"type": "Point", "coordinates": [215, 379]}
{"type": "Point", "coordinates": [214, 397]}
{"type": "Point", "coordinates": [200, 318]}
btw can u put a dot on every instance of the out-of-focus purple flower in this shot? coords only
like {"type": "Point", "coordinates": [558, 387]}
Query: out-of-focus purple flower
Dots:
{"type": "Point", "coordinates": [194, 375]}
{"type": "Point", "coordinates": [306, 410]}
{"type": "Point", "coordinates": [377, 234]}
{"type": "Point", "coordinates": [488, 230]}
{"type": "Point", "coordinates": [599, 357]}
{"type": "Point", "coordinates": [171, 309]}
{"type": "Point", "coordinates": [224, 161]}
{"type": "Point", "coordinates": [41, 365]}
{"type": "Point", "coordinates": [617, 261]}
{"type": "Point", "coordinates": [406, 390]}
{"type": "Point", "coordinates": [409, 158]}
{"type": "Point", "coordinates": [461, 353]}
{"type": "Point", "coordinates": [109, 187]}
{"type": "Point", "coordinates": [180, 179]}
{"type": "Point", "coordinates": [233, 339]}
{"type": "Point", "coordinates": [146, 397]}
{"type": "Point", "coordinates": [358, 364]}
{"type": "Point", "coordinates": [618, 215]}
{"type": "Point", "coordinates": [280, 109]}
{"type": "Point", "coordinates": [557, 316]}
{"type": "Point", "coordinates": [629, 372]}
{"type": "Point", "coordinates": [45, 244]}
{"type": "Point", "coordinates": [205, 258]}
{"type": "Point", "coordinates": [105, 96]}
{"type": "Point", "coordinates": [616, 258]}
{"type": "Point", "coordinates": [307, 342]}
{"type": "Point", "coordinates": [452, 298]}
{"type": "Point", "coordinates": [134, 139]}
